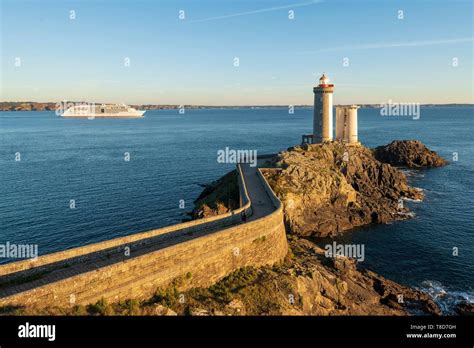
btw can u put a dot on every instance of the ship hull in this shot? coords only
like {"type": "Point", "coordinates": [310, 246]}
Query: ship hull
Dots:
{"type": "Point", "coordinates": [102, 116]}
{"type": "Point", "coordinates": [137, 114]}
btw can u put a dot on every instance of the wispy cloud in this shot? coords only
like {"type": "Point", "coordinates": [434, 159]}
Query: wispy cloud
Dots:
{"type": "Point", "coordinates": [392, 45]}
{"type": "Point", "coordinates": [269, 9]}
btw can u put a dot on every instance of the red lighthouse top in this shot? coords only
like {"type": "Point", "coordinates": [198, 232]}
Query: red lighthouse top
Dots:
{"type": "Point", "coordinates": [324, 81]}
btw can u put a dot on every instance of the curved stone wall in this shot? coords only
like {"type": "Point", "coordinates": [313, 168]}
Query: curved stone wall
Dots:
{"type": "Point", "coordinates": [199, 261]}
{"type": "Point", "coordinates": [111, 246]}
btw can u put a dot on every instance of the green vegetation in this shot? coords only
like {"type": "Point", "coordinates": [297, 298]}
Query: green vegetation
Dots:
{"type": "Point", "coordinates": [225, 290]}
{"type": "Point", "coordinates": [79, 310]}
{"type": "Point", "coordinates": [222, 192]}
{"type": "Point", "coordinates": [166, 296]}
{"type": "Point", "coordinates": [100, 307]}
{"type": "Point", "coordinates": [258, 290]}
{"type": "Point", "coordinates": [130, 307]}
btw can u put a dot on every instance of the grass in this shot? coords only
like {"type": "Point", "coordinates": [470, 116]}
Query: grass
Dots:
{"type": "Point", "coordinates": [259, 289]}
{"type": "Point", "coordinates": [225, 290]}
{"type": "Point", "coordinates": [166, 296]}
{"type": "Point", "coordinates": [100, 307]}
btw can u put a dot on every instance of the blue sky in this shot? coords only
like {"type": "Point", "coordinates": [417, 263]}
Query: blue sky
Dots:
{"type": "Point", "coordinates": [191, 61]}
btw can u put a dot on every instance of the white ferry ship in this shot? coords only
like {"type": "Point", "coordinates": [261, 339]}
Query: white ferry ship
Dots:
{"type": "Point", "coordinates": [103, 110]}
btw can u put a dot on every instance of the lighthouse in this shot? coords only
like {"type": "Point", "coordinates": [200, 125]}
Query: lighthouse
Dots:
{"type": "Point", "coordinates": [346, 118]}
{"type": "Point", "coordinates": [322, 118]}
{"type": "Point", "coordinates": [346, 124]}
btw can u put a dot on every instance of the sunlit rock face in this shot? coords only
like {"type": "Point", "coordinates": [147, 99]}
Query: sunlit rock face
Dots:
{"type": "Point", "coordinates": [332, 187]}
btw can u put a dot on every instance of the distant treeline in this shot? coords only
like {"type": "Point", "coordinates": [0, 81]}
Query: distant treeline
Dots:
{"type": "Point", "coordinates": [37, 106]}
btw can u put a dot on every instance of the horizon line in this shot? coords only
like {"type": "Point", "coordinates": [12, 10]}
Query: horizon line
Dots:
{"type": "Point", "coordinates": [237, 105]}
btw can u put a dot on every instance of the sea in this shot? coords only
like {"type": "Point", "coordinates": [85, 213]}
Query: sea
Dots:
{"type": "Point", "coordinates": [70, 182]}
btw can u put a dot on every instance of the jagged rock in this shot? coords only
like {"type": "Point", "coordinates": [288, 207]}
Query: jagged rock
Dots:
{"type": "Point", "coordinates": [236, 306]}
{"type": "Point", "coordinates": [344, 264]}
{"type": "Point", "coordinates": [465, 308]}
{"type": "Point", "coordinates": [325, 189]}
{"type": "Point", "coordinates": [409, 153]}
{"type": "Point", "coordinates": [322, 287]}
{"type": "Point", "coordinates": [329, 188]}
{"type": "Point", "coordinates": [162, 310]}
{"type": "Point", "coordinates": [199, 312]}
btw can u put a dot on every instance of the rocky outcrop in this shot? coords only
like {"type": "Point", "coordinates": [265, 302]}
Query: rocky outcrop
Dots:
{"type": "Point", "coordinates": [332, 187]}
{"type": "Point", "coordinates": [218, 197]}
{"type": "Point", "coordinates": [329, 188]}
{"type": "Point", "coordinates": [408, 153]}
{"type": "Point", "coordinates": [325, 189]}
{"type": "Point", "coordinates": [465, 308]}
{"type": "Point", "coordinates": [307, 283]}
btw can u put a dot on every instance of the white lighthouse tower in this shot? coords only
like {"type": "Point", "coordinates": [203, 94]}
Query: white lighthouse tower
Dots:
{"type": "Point", "coordinates": [322, 119]}
{"type": "Point", "coordinates": [346, 118]}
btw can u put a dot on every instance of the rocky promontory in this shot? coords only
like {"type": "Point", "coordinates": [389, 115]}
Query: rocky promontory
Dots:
{"type": "Point", "coordinates": [306, 283]}
{"type": "Point", "coordinates": [325, 189]}
{"type": "Point", "coordinates": [329, 188]}
{"type": "Point", "coordinates": [332, 187]}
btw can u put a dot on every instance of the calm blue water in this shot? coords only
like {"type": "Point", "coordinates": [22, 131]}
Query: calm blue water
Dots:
{"type": "Point", "coordinates": [170, 154]}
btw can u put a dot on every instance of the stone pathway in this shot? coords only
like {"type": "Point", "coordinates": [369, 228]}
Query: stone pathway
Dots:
{"type": "Point", "coordinates": [261, 203]}
{"type": "Point", "coordinates": [261, 206]}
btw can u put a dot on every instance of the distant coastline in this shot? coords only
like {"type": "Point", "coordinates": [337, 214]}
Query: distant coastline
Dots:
{"type": "Point", "coordinates": [47, 106]}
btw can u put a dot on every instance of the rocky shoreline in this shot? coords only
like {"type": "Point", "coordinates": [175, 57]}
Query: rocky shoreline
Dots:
{"type": "Point", "coordinates": [330, 188]}
{"type": "Point", "coordinates": [326, 189]}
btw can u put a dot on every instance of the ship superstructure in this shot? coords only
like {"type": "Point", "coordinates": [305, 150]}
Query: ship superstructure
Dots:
{"type": "Point", "coordinates": [103, 110]}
